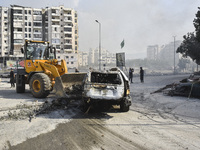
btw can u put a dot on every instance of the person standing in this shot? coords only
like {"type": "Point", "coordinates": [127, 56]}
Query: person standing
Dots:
{"type": "Point", "coordinates": [131, 74]}
{"type": "Point", "coordinates": [141, 75]}
{"type": "Point", "coordinates": [12, 77]}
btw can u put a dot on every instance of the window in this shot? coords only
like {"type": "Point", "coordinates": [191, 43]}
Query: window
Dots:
{"type": "Point", "coordinates": [67, 62]}
{"type": "Point", "coordinates": [72, 62]}
{"type": "Point", "coordinates": [67, 56]}
{"type": "Point", "coordinates": [19, 29]}
{"type": "Point", "coordinates": [29, 29]}
{"type": "Point", "coordinates": [29, 35]}
{"type": "Point", "coordinates": [29, 11]}
{"type": "Point", "coordinates": [68, 29]}
{"type": "Point", "coordinates": [58, 57]}
{"type": "Point", "coordinates": [25, 29]}
{"type": "Point", "coordinates": [72, 56]}
{"type": "Point", "coordinates": [25, 17]}
{"type": "Point", "coordinates": [29, 24]}
{"type": "Point", "coordinates": [25, 11]}
{"type": "Point", "coordinates": [17, 41]}
{"type": "Point", "coordinates": [57, 46]}
{"type": "Point", "coordinates": [25, 23]}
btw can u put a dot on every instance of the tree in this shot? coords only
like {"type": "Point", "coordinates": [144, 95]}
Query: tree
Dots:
{"type": "Point", "coordinates": [182, 63]}
{"type": "Point", "coordinates": [190, 47]}
{"type": "Point", "coordinates": [196, 24]}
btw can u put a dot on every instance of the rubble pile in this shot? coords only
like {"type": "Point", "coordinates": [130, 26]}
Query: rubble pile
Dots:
{"type": "Point", "coordinates": [189, 87]}
{"type": "Point", "coordinates": [24, 111]}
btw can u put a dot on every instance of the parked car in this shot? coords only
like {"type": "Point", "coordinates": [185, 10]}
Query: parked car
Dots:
{"type": "Point", "coordinates": [5, 75]}
{"type": "Point", "coordinates": [104, 89]}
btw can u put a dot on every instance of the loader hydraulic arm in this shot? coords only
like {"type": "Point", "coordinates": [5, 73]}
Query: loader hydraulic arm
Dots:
{"type": "Point", "coordinates": [51, 68]}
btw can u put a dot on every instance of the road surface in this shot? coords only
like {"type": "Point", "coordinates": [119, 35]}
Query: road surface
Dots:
{"type": "Point", "coordinates": [155, 121]}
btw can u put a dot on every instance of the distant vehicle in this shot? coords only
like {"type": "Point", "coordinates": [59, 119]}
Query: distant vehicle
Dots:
{"type": "Point", "coordinates": [5, 75]}
{"type": "Point", "coordinates": [104, 89]}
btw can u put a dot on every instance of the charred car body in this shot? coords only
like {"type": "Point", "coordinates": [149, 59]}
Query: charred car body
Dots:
{"type": "Point", "coordinates": [104, 89]}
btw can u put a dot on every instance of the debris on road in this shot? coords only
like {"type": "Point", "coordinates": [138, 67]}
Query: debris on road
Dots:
{"type": "Point", "coordinates": [24, 111]}
{"type": "Point", "coordinates": [188, 87]}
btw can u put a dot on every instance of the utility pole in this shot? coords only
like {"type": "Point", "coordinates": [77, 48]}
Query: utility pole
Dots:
{"type": "Point", "coordinates": [174, 52]}
{"type": "Point", "coordinates": [99, 44]}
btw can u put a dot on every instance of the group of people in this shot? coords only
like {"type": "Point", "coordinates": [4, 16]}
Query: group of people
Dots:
{"type": "Point", "coordinates": [131, 70]}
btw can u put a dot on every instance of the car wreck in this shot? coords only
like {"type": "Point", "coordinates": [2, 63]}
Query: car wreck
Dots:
{"type": "Point", "coordinates": [104, 89]}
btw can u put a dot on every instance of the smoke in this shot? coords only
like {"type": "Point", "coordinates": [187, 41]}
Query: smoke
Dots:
{"type": "Point", "coordinates": [139, 22]}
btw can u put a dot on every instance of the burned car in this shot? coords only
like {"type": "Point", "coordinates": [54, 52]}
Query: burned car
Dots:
{"type": "Point", "coordinates": [104, 89]}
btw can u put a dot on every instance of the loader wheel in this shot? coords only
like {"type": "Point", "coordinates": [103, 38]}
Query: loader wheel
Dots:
{"type": "Point", "coordinates": [20, 84]}
{"type": "Point", "coordinates": [40, 85]}
{"type": "Point", "coordinates": [124, 107]}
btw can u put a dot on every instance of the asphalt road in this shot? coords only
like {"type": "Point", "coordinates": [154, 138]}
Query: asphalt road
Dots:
{"type": "Point", "coordinates": [155, 121]}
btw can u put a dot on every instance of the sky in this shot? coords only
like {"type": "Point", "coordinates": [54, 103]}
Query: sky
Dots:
{"type": "Point", "coordinates": [139, 23]}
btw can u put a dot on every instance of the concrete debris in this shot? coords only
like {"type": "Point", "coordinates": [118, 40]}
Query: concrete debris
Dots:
{"type": "Point", "coordinates": [24, 111]}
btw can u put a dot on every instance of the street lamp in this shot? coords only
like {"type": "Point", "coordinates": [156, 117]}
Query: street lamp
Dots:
{"type": "Point", "coordinates": [174, 52]}
{"type": "Point", "coordinates": [99, 44]}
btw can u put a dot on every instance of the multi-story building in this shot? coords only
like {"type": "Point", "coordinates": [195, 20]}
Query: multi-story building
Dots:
{"type": "Point", "coordinates": [58, 25]}
{"type": "Point", "coordinates": [167, 53]}
{"type": "Point", "coordinates": [83, 59]}
{"type": "Point", "coordinates": [152, 52]}
{"type": "Point", "coordinates": [4, 31]}
{"type": "Point", "coordinates": [107, 58]}
{"type": "Point", "coordinates": [5, 39]}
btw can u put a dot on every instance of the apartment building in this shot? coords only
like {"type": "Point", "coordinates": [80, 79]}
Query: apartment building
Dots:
{"type": "Point", "coordinates": [83, 59]}
{"type": "Point", "coordinates": [152, 52]}
{"type": "Point", "coordinates": [107, 58]}
{"type": "Point", "coordinates": [167, 53]}
{"type": "Point", "coordinates": [4, 31]}
{"type": "Point", "coordinates": [58, 25]}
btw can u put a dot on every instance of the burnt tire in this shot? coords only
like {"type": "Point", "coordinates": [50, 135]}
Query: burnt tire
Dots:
{"type": "Point", "coordinates": [124, 107]}
{"type": "Point", "coordinates": [20, 84]}
{"type": "Point", "coordinates": [40, 85]}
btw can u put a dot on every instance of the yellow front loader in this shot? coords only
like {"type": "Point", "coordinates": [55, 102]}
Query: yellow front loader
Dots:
{"type": "Point", "coordinates": [44, 73]}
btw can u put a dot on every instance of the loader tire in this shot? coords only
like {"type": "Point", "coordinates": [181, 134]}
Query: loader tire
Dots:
{"type": "Point", "coordinates": [124, 107]}
{"type": "Point", "coordinates": [20, 84]}
{"type": "Point", "coordinates": [40, 85]}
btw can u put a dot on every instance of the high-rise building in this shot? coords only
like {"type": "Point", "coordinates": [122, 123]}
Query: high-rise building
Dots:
{"type": "Point", "coordinates": [4, 31]}
{"type": "Point", "coordinates": [58, 25]}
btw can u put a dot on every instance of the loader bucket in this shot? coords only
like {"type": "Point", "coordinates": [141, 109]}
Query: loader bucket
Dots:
{"type": "Point", "coordinates": [70, 85]}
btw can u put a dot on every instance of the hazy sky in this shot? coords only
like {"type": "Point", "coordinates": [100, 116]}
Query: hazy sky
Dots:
{"type": "Point", "coordinates": [139, 22]}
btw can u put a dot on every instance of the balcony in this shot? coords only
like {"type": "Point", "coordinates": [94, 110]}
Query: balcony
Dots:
{"type": "Point", "coordinates": [68, 50]}
{"type": "Point", "coordinates": [55, 14]}
{"type": "Point", "coordinates": [68, 20]}
{"type": "Point", "coordinates": [18, 24]}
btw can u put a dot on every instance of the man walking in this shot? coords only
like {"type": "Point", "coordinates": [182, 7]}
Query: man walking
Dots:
{"type": "Point", "coordinates": [12, 77]}
{"type": "Point", "coordinates": [141, 75]}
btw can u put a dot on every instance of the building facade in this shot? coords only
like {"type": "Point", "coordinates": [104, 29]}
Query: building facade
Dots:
{"type": "Point", "coordinates": [152, 52]}
{"type": "Point", "coordinates": [107, 58]}
{"type": "Point", "coordinates": [58, 25]}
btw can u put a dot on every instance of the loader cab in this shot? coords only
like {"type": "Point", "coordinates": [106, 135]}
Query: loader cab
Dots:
{"type": "Point", "coordinates": [38, 50]}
